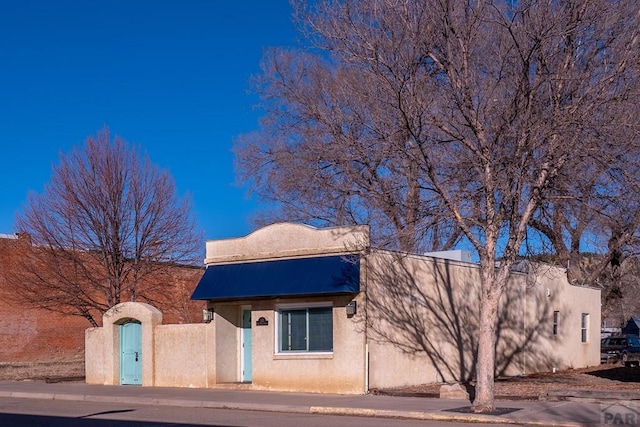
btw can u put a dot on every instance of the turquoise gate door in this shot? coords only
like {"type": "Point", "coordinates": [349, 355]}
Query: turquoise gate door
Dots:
{"type": "Point", "coordinates": [247, 344]}
{"type": "Point", "coordinates": [131, 353]}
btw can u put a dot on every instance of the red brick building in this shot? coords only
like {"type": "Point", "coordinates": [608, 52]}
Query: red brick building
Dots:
{"type": "Point", "coordinates": [50, 341]}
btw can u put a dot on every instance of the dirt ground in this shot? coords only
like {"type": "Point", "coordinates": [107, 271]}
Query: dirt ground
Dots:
{"type": "Point", "coordinates": [47, 371]}
{"type": "Point", "coordinates": [530, 387]}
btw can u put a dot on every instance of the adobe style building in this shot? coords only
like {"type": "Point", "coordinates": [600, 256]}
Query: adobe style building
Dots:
{"type": "Point", "coordinates": [294, 308]}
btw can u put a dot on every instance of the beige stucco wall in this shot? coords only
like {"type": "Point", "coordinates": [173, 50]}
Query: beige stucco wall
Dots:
{"type": "Point", "coordinates": [419, 317]}
{"type": "Point", "coordinates": [340, 371]}
{"type": "Point", "coordinates": [227, 323]}
{"type": "Point", "coordinates": [181, 353]}
{"type": "Point", "coordinates": [285, 240]}
{"type": "Point", "coordinates": [422, 315]}
{"type": "Point", "coordinates": [552, 292]}
{"type": "Point", "coordinates": [172, 355]}
{"type": "Point", "coordinates": [94, 359]}
{"type": "Point", "coordinates": [188, 355]}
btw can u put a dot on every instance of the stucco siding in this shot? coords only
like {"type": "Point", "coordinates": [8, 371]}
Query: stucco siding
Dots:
{"type": "Point", "coordinates": [227, 323]}
{"type": "Point", "coordinates": [287, 240]}
{"type": "Point", "coordinates": [340, 371]}
{"type": "Point", "coordinates": [422, 316]}
{"type": "Point", "coordinates": [95, 356]}
{"type": "Point", "coordinates": [181, 355]}
{"type": "Point", "coordinates": [552, 292]}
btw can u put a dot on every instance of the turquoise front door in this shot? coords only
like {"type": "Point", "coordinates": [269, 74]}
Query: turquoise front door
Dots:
{"type": "Point", "coordinates": [246, 346]}
{"type": "Point", "coordinates": [131, 353]}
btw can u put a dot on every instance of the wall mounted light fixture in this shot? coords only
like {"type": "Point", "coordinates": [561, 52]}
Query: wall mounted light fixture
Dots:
{"type": "Point", "coordinates": [352, 308]}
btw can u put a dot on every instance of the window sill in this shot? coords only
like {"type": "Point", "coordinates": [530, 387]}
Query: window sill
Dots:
{"type": "Point", "coordinates": [302, 356]}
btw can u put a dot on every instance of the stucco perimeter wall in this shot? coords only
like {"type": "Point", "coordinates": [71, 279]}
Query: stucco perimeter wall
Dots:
{"type": "Point", "coordinates": [183, 355]}
{"type": "Point", "coordinates": [172, 355]}
{"type": "Point", "coordinates": [102, 345]}
{"type": "Point", "coordinates": [422, 317]}
{"type": "Point", "coordinates": [94, 360]}
{"type": "Point", "coordinates": [286, 240]}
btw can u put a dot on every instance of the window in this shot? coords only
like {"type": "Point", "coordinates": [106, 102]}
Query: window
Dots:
{"type": "Point", "coordinates": [584, 326]}
{"type": "Point", "coordinates": [305, 329]}
{"type": "Point", "coordinates": [556, 317]}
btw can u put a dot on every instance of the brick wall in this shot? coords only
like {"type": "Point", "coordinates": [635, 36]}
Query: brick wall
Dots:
{"type": "Point", "coordinates": [33, 335]}
{"type": "Point", "coordinates": [28, 335]}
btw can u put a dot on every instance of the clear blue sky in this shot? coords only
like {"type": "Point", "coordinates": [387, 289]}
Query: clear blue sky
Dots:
{"type": "Point", "coordinates": [171, 76]}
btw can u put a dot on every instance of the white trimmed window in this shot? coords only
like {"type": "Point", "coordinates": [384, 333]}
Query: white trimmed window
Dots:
{"type": "Point", "coordinates": [308, 329]}
{"type": "Point", "coordinates": [556, 320]}
{"type": "Point", "coordinates": [584, 326]}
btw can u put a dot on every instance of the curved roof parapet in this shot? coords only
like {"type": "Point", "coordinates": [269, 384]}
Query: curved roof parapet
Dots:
{"type": "Point", "coordinates": [285, 240]}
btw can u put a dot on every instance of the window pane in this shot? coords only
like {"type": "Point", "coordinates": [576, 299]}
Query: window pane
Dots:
{"type": "Point", "coordinates": [306, 329]}
{"type": "Point", "coordinates": [298, 330]}
{"type": "Point", "coordinates": [293, 330]}
{"type": "Point", "coordinates": [284, 331]}
{"type": "Point", "coordinates": [584, 323]}
{"type": "Point", "coordinates": [321, 329]}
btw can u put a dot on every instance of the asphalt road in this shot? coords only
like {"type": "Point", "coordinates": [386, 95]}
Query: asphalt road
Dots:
{"type": "Point", "coordinates": [58, 413]}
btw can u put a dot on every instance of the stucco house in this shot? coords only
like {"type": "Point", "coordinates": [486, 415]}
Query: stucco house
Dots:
{"type": "Point", "coordinates": [295, 308]}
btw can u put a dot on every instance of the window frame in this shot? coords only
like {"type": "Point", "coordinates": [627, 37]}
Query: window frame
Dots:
{"type": "Point", "coordinates": [299, 307]}
{"type": "Point", "coordinates": [556, 323]}
{"type": "Point", "coordinates": [584, 327]}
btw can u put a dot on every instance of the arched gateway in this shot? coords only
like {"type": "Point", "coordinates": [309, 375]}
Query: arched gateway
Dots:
{"type": "Point", "coordinates": [127, 343]}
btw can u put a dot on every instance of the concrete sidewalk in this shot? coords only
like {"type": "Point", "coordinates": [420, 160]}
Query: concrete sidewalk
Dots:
{"type": "Point", "coordinates": [537, 413]}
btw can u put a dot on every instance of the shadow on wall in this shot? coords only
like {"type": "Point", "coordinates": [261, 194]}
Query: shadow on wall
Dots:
{"type": "Point", "coordinates": [431, 308]}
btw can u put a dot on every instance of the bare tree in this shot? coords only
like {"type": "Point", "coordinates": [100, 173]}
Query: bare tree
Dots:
{"type": "Point", "coordinates": [466, 115]}
{"type": "Point", "coordinates": [109, 227]}
{"type": "Point", "coordinates": [593, 224]}
{"type": "Point", "coordinates": [333, 150]}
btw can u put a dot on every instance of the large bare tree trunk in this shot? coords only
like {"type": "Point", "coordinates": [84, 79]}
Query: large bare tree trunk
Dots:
{"type": "Point", "coordinates": [486, 353]}
{"type": "Point", "coordinates": [494, 280]}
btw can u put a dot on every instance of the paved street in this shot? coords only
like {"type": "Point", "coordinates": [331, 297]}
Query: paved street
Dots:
{"type": "Point", "coordinates": [52, 413]}
{"type": "Point", "coordinates": [598, 409]}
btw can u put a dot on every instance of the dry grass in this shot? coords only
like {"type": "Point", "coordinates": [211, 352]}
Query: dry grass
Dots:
{"type": "Point", "coordinates": [47, 371]}
{"type": "Point", "coordinates": [530, 387]}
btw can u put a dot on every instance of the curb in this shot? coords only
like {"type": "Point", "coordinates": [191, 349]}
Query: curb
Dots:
{"type": "Point", "coordinates": [300, 409]}
{"type": "Point", "coordinates": [430, 416]}
{"type": "Point", "coordinates": [590, 396]}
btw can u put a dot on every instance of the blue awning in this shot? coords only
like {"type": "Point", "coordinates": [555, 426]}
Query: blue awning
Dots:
{"type": "Point", "coordinates": [280, 278]}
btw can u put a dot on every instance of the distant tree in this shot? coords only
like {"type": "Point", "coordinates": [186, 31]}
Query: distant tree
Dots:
{"type": "Point", "coordinates": [593, 222]}
{"type": "Point", "coordinates": [466, 116]}
{"type": "Point", "coordinates": [108, 227]}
